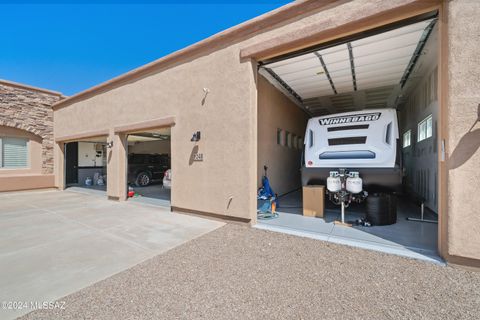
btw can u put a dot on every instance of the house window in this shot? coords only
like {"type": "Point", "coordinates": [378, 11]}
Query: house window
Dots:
{"type": "Point", "coordinates": [279, 136]}
{"type": "Point", "coordinates": [294, 141]}
{"type": "Point", "coordinates": [300, 143]}
{"type": "Point", "coordinates": [425, 128]}
{"type": "Point", "coordinates": [407, 138]}
{"type": "Point", "coordinates": [14, 152]}
{"type": "Point", "coordinates": [288, 139]}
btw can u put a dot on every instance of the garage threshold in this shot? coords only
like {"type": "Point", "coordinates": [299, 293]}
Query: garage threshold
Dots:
{"type": "Point", "coordinates": [93, 190]}
{"type": "Point", "coordinates": [351, 237]}
{"type": "Point", "coordinates": [151, 201]}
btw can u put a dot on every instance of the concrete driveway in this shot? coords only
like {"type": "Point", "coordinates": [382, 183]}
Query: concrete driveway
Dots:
{"type": "Point", "coordinates": [53, 243]}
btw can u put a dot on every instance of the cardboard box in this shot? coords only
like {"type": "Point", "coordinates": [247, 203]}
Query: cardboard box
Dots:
{"type": "Point", "coordinates": [313, 201]}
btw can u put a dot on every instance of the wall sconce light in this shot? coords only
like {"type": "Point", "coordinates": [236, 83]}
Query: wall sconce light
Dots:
{"type": "Point", "coordinates": [110, 144]}
{"type": "Point", "coordinates": [196, 137]}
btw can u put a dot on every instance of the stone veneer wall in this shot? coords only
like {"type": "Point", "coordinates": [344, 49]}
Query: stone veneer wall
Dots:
{"type": "Point", "coordinates": [30, 110]}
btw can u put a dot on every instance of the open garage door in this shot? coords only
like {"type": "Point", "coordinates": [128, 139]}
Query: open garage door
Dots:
{"type": "Point", "coordinates": [86, 165]}
{"type": "Point", "coordinates": [367, 105]}
{"type": "Point", "coordinates": [149, 166]}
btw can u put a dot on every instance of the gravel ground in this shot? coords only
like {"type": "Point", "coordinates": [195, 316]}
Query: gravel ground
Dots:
{"type": "Point", "coordinates": [238, 272]}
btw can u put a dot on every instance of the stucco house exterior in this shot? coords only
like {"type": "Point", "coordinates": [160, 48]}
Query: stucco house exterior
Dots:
{"type": "Point", "coordinates": [248, 116]}
{"type": "Point", "coordinates": [26, 135]}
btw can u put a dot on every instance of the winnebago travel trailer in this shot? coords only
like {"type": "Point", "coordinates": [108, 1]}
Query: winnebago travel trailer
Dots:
{"type": "Point", "coordinates": [365, 142]}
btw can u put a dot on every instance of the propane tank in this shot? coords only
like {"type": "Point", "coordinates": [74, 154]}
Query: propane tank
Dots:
{"type": "Point", "coordinates": [333, 182]}
{"type": "Point", "coordinates": [354, 183]}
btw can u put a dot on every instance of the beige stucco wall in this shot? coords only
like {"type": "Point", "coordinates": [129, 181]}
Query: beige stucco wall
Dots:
{"type": "Point", "coordinates": [225, 181]}
{"type": "Point", "coordinates": [34, 151]}
{"type": "Point", "coordinates": [31, 177]}
{"type": "Point", "coordinates": [463, 128]}
{"type": "Point", "coordinates": [224, 121]}
{"type": "Point", "coordinates": [276, 111]}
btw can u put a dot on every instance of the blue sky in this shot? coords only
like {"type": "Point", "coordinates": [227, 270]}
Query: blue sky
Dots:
{"type": "Point", "coordinates": [71, 47]}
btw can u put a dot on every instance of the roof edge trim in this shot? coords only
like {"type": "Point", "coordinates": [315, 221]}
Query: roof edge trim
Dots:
{"type": "Point", "coordinates": [31, 88]}
{"type": "Point", "coordinates": [317, 35]}
{"type": "Point", "coordinates": [267, 20]}
{"type": "Point", "coordinates": [82, 135]}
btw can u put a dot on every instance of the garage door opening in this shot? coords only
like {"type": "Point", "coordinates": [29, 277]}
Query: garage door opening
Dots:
{"type": "Point", "coordinates": [369, 105]}
{"type": "Point", "coordinates": [149, 166]}
{"type": "Point", "coordinates": [86, 165]}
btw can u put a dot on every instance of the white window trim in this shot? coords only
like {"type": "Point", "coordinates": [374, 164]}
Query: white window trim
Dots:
{"type": "Point", "coordinates": [409, 131]}
{"type": "Point", "coordinates": [419, 131]}
{"type": "Point", "coordinates": [27, 167]}
{"type": "Point", "coordinates": [279, 136]}
{"type": "Point", "coordinates": [288, 139]}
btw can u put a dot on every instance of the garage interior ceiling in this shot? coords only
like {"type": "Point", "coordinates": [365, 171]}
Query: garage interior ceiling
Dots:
{"type": "Point", "coordinates": [366, 73]}
{"type": "Point", "coordinates": [150, 135]}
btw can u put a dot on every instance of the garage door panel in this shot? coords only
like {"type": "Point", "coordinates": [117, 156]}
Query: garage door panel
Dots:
{"type": "Point", "coordinates": [307, 64]}
{"type": "Point", "coordinates": [378, 61]}
{"type": "Point", "coordinates": [406, 40]}
{"type": "Point", "coordinates": [420, 26]}
{"type": "Point", "coordinates": [336, 56]}
{"type": "Point", "coordinates": [309, 86]}
{"type": "Point", "coordinates": [386, 56]}
{"type": "Point", "coordinates": [383, 65]}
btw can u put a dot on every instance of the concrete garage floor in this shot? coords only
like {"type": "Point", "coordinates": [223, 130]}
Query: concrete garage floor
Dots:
{"type": "Point", "coordinates": [78, 186]}
{"type": "Point", "coordinates": [54, 243]}
{"type": "Point", "coordinates": [407, 238]}
{"type": "Point", "coordinates": [237, 272]}
{"type": "Point", "coordinates": [153, 194]}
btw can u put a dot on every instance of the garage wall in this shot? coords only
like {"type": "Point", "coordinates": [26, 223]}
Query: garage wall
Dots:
{"type": "Point", "coordinates": [159, 146]}
{"type": "Point", "coordinates": [87, 155]}
{"type": "Point", "coordinates": [276, 111]}
{"type": "Point", "coordinates": [421, 158]}
{"type": "Point", "coordinates": [463, 145]}
{"type": "Point", "coordinates": [225, 182]}
{"type": "Point", "coordinates": [217, 184]}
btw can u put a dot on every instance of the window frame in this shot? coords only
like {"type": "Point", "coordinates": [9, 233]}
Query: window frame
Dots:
{"type": "Point", "coordinates": [27, 153]}
{"type": "Point", "coordinates": [409, 132]}
{"type": "Point", "coordinates": [280, 134]}
{"type": "Point", "coordinates": [288, 139]}
{"type": "Point", "coordinates": [423, 132]}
